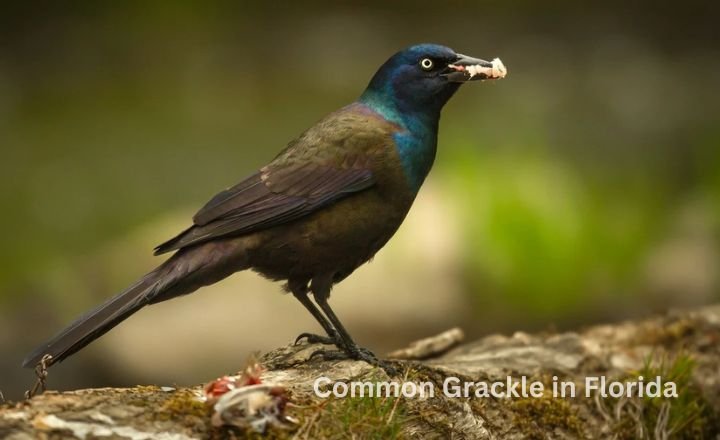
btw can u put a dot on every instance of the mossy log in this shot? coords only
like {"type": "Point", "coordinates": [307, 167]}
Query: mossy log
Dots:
{"type": "Point", "coordinates": [680, 347]}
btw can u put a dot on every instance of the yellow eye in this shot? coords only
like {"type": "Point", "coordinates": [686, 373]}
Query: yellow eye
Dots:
{"type": "Point", "coordinates": [426, 64]}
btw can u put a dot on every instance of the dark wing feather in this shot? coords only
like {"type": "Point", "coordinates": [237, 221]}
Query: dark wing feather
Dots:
{"type": "Point", "coordinates": [271, 197]}
{"type": "Point", "coordinates": [248, 190]}
{"type": "Point", "coordinates": [326, 163]}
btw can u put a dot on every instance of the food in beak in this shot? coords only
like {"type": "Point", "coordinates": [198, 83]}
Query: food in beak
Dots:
{"type": "Point", "coordinates": [496, 71]}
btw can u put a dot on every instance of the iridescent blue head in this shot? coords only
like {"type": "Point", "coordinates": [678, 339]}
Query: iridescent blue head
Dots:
{"type": "Point", "coordinates": [419, 80]}
{"type": "Point", "coordinates": [411, 88]}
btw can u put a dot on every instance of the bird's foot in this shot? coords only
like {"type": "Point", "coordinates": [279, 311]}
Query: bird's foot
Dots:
{"type": "Point", "coordinates": [312, 338]}
{"type": "Point", "coordinates": [357, 353]}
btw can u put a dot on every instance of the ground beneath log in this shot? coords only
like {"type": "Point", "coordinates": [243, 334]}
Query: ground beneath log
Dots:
{"type": "Point", "coordinates": [680, 347]}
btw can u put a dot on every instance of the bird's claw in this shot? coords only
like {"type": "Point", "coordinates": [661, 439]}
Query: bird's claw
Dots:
{"type": "Point", "coordinates": [356, 353]}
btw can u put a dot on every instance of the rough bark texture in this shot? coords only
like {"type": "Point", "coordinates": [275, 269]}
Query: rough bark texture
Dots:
{"type": "Point", "coordinates": [680, 346]}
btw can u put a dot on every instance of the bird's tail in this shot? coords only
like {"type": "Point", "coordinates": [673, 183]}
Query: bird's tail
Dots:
{"type": "Point", "coordinates": [183, 273]}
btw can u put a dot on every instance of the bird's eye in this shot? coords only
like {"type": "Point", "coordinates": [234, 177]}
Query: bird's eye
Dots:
{"type": "Point", "coordinates": [426, 64]}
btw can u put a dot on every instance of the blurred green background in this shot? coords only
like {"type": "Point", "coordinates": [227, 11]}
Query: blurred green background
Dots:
{"type": "Point", "coordinates": [585, 187]}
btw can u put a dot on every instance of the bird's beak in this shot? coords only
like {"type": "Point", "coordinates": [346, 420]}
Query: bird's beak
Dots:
{"type": "Point", "coordinates": [466, 68]}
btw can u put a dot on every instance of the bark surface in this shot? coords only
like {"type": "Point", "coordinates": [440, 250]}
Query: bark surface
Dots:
{"type": "Point", "coordinates": [683, 347]}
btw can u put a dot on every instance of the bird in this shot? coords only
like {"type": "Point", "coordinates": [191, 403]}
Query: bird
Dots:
{"type": "Point", "coordinates": [324, 206]}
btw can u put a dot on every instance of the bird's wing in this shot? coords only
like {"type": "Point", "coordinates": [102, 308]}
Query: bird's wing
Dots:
{"type": "Point", "coordinates": [317, 169]}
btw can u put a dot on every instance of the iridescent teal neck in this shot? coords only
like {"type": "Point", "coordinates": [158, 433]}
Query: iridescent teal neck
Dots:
{"type": "Point", "coordinates": [416, 143]}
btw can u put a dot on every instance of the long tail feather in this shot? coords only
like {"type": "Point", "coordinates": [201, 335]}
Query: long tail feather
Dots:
{"type": "Point", "coordinates": [183, 273]}
{"type": "Point", "coordinates": [97, 322]}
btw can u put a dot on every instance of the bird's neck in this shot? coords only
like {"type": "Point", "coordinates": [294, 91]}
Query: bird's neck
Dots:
{"type": "Point", "coordinates": [416, 142]}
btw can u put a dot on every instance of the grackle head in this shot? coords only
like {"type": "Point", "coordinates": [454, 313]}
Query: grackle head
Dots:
{"type": "Point", "coordinates": [423, 77]}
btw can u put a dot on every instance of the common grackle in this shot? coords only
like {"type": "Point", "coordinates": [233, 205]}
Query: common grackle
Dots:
{"type": "Point", "coordinates": [323, 207]}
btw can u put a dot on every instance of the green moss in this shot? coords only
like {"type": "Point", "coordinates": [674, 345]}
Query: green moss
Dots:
{"type": "Point", "coordinates": [182, 407]}
{"type": "Point", "coordinates": [183, 404]}
{"type": "Point", "coordinates": [355, 417]}
{"type": "Point", "coordinates": [688, 416]}
{"type": "Point", "coordinates": [137, 402]}
{"type": "Point", "coordinates": [672, 334]}
{"type": "Point", "coordinates": [186, 403]}
{"type": "Point", "coordinates": [536, 416]}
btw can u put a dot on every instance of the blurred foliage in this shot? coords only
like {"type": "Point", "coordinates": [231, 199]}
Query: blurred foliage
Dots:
{"type": "Point", "coordinates": [539, 227]}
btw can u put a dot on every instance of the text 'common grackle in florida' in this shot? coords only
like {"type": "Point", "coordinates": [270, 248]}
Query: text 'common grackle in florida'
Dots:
{"type": "Point", "coordinates": [323, 207]}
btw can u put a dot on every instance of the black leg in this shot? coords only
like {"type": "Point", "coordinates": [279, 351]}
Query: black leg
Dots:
{"type": "Point", "coordinates": [321, 287]}
{"type": "Point", "coordinates": [349, 349]}
{"type": "Point", "coordinates": [344, 335]}
{"type": "Point", "coordinates": [300, 291]}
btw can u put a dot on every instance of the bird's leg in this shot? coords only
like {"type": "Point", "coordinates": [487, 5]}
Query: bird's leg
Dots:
{"type": "Point", "coordinates": [348, 347]}
{"type": "Point", "coordinates": [300, 291]}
